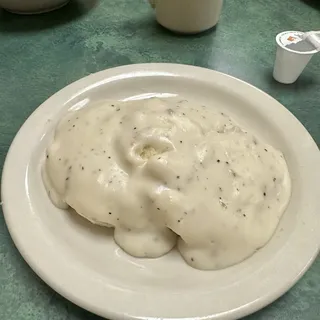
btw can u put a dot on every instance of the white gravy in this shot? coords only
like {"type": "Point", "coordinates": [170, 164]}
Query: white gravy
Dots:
{"type": "Point", "coordinates": [164, 172]}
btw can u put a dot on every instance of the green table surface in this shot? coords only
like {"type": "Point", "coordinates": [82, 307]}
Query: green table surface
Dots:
{"type": "Point", "coordinates": [41, 54]}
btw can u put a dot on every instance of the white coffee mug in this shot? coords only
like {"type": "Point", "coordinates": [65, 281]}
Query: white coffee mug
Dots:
{"type": "Point", "coordinates": [187, 16]}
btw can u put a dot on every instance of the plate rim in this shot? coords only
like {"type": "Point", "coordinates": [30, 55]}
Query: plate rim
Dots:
{"type": "Point", "coordinates": [94, 79]}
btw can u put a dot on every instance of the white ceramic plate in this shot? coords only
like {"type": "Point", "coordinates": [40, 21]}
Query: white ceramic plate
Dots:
{"type": "Point", "coordinates": [83, 263]}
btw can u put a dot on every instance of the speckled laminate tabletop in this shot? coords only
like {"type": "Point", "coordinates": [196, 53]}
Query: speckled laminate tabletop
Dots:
{"type": "Point", "coordinates": [41, 54]}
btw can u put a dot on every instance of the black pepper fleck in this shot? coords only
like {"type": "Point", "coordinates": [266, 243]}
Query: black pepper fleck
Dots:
{"type": "Point", "coordinates": [158, 208]}
{"type": "Point", "coordinates": [265, 150]}
{"type": "Point", "coordinates": [192, 259]}
{"type": "Point", "coordinates": [244, 215]}
{"type": "Point", "coordinates": [73, 125]}
{"type": "Point", "coordinates": [135, 128]}
{"type": "Point", "coordinates": [264, 194]}
{"type": "Point", "coordinates": [178, 177]}
{"type": "Point", "coordinates": [274, 179]}
{"type": "Point", "coordinates": [218, 161]}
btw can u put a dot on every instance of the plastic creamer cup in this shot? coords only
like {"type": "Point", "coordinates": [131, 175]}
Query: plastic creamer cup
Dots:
{"type": "Point", "coordinates": [293, 55]}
